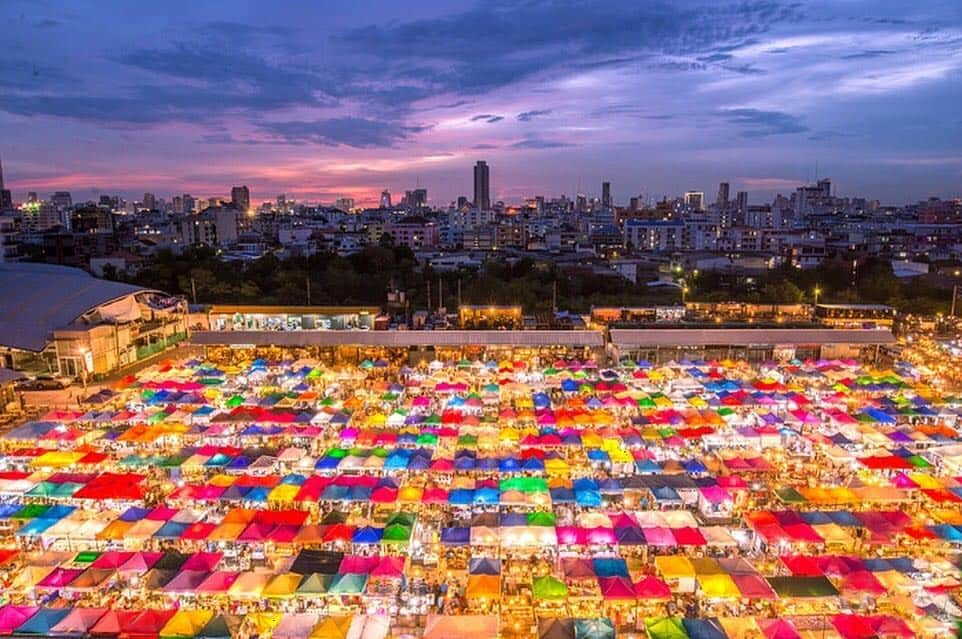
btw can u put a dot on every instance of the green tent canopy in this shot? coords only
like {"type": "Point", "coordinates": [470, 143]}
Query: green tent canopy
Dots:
{"type": "Point", "coordinates": [548, 587]}
{"type": "Point", "coordinates": [665, 628]}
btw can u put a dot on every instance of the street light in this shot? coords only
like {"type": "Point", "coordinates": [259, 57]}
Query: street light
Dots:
{"type": "Point", "coordinates": [684, 293]}
{"type": "Point", "coordinates": [817, 293]}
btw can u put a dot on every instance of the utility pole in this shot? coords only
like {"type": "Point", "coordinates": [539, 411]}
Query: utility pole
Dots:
{"type": "Point", "coordinates": [440, 294]}
{"type": "Point", "coordinates": [429, 297]}
{"type": "Point", "coordinates": [955, 294]}
{"type": "Point", "coordinates": [308, 280]}
{"type": "Point", "coordinates": [193, 290]}
{"type": "Point", "coordinates": [554, 296]}
{"type": "Point", "coordinates": [459, 293]}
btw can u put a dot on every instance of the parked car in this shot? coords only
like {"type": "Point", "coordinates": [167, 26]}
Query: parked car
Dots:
{"type": "Point", "coordinates": [44, 382]}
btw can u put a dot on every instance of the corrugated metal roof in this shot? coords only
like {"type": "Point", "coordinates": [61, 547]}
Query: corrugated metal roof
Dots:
{"type": "Point", "coordinates": [36, 299]}
{"type": "Point", "coordinates": [401, 338]}
{"type": "Point", "coordinates": [747, 336]}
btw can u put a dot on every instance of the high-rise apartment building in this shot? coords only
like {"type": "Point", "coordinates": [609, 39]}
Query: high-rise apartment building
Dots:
{"type": "Point", "coordinates": [6, 198]}
{"type": "Point", "coordinates": [482, 186]}
{"type": "Point", "coordinates": [724, 191]}
{"type": "Point", "coordinates": [240, 198]}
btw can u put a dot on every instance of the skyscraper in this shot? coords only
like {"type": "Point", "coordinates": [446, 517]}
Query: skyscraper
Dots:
{"type": "Point", "coordinates": [416, 198]}
{"type": "Point", "coordinates": [385, 199]}
{"type": "Point", "coordinates": [606, 194]}
{"type": "Point", "coordinates": [482, 186]}
{"type": "Point", "coordinates": [240, 197]}
{"type": "Point", "coordinates": [150, 201]}
{"type": "Point", "coordinates": [742, 201]}
{"type": "Point", "coordinates": [723, 194]}
{"type": "Point", "coordinates": [6, 199]}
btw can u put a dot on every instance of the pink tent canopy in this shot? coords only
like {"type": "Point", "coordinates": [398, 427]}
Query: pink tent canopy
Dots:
{"type": "Point", "coordinates": [658, 536]}
{"type": "Point", "coordinates": [219, 581]}
{"type": "Point", "coordinates": [203, 561]}
{"type": "Point", "coordinates": [652, 588]}
{"type": "Point", "coordinates": [78, 622]}
{"type": "Point", "coordinates": [616, 588]}
{"type": "Point", "coordinates": [12, 617]}
{"type": "Point", "coordinates": [389, 567]}
{"type": "Point", "coordinates": [778, 629]}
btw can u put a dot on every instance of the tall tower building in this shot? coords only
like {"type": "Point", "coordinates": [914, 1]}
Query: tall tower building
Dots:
{"type": "Point", "coordinates": [385, 199]}
{"type": "Point", "coordinates": [606, 194]}
{"type": "Point", "coordinates": [240, 197]}
{"type": "Point", "coordinates": [482, 186]}
{"type": "Point", "coordinates": [6, 199]}
{"type": "Point", "coordinates": [742, 201]}
{"type": "Point", "coordinates": [724, 191]}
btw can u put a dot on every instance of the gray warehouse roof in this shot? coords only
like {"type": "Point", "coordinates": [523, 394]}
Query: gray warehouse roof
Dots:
{"type": "Point", "coordinates": [747, 336]}
{"type": "Point", "coordinates": [401, 338]}
{"type": "Point", "coordinates": [36, 299]}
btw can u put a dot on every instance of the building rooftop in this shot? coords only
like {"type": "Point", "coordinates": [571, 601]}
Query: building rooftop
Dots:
{"type": "Point", "coordinates": [36, 299]}
{"type": "Point", "coordinates": [747, 336]}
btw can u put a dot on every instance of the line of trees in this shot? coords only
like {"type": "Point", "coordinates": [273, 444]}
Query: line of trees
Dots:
{"type": "Point", "coordinates": [366, 276]}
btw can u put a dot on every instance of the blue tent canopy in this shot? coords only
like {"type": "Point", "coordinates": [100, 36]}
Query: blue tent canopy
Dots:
{"type": "Point", "coordinates": [170, 530]}
{"type": "Point", "coordinates": [461, 496]}
{"type": "Point", "coordinates": [42, 621]}
{"type": "Point", "coordinates": [514, 519]}
{"type": "Point", "coordinates": [460, 536]}
{"type": "Point", "coordinates": [610, 567]}
{"type": "Point", "coordinates": [703, 629]}
{"type": "Point", "coordinates": [487, 495]}
{"type": "Point", "coordinates": [630, 536]}
{"type": "Point", "coordinates": [367, 535]}
{"type": "Point", "coordinates": [484, 566]}
{"type": "Point", "coordinates": [588, 497]}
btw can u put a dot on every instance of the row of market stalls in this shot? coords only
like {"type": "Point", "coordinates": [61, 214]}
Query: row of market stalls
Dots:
{"type": "Point", "coordinates": [482, 498]}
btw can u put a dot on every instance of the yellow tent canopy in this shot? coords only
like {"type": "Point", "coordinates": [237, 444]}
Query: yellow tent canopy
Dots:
{"type": "Point", "coordinates": [674, 567]}
{"type": "Point", "coordinates": [282, 585]}
{"type": "Point", "coordinates": [718, 586]}
{"type": "Point", "coordinates": [331, 628]}
{"type": "Point", "coordinates": [186, 623]}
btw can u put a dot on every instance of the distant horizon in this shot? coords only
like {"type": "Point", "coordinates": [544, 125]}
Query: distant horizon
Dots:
{"type": "Point", "coordinates": [373, 200]}
{"type": "Point", "coordinates": [320, 101]}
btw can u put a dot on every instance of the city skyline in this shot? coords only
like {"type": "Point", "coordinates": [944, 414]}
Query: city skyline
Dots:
{"type": "Point", "coordinates": [346, 101]}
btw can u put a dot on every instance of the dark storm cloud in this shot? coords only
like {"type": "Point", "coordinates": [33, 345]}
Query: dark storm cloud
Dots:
{"type": "Point", "coordinates": [539, 143]}
{"type": "Point", "coordinates": [228, 68]}
{"type": "Point", "coordinates": [527, 116]}
{"type": "Point", "coordinates": [346, 131]}
{"type": "Point", "coordinates": [567, 30]}
{"type": "Point", "coordinates": [759, 124]}
{"type": "Point", "coordinates": [865, 55]}
{"type": "Point", "coordinates": [238, 72]}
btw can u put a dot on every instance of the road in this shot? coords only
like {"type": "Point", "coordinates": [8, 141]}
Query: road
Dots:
{"type": "Point", "coordinates": [70, 398]}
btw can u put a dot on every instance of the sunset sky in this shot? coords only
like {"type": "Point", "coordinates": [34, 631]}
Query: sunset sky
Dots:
{"type": "Point", "coordinates": [326, 99]}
